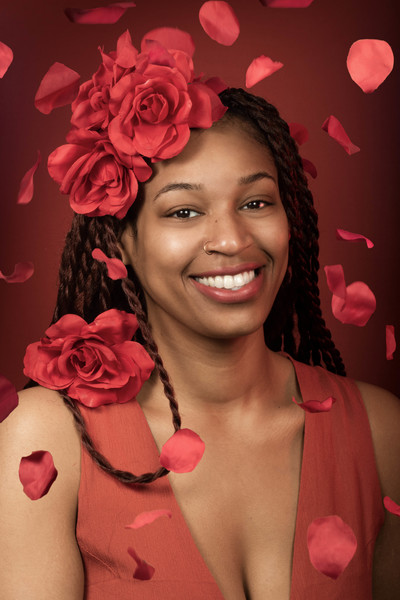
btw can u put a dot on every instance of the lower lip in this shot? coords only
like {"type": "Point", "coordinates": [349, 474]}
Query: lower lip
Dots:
{"type": "Point", "coordinates": [245, 293]}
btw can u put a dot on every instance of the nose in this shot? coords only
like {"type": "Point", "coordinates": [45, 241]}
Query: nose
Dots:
{"type": "Point", "coordinates": [228, 234]}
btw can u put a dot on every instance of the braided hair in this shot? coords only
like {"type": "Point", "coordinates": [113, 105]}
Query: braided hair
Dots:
{"type": "Point", "coordinates": [294, 325]}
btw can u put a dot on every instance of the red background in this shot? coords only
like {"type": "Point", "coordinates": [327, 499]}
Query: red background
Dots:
{"type": "Point", "coordinates": [358, 192]}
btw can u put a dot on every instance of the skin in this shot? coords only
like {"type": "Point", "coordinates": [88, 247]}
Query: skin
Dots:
{"type": "Point", "coordinates": [231, 390]}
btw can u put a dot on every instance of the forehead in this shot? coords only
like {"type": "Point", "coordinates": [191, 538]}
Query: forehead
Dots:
{"type": "Point", "coordinates": [225, 150]}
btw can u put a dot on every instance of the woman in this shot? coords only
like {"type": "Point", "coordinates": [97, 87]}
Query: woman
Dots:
{"type": "Point", "coordinates": [222, 250]}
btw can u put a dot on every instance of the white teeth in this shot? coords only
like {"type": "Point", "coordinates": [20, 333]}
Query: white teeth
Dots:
{"type": "Point", "coordinates": [228, 282]}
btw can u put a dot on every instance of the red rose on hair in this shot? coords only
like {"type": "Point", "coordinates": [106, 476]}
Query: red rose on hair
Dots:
{"type": "Point", "coordinates": [99, 182]}
{"type": "Point", "coordinates": [97, 363]}
{"type": "Point", "coordinates": [90, 108]}
{"type": "Point", "coordinates": [155, 106]}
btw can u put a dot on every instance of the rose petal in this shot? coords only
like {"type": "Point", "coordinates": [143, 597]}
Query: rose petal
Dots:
{"type": "Point", "coordinates": [22, 272]}
{"type": "Point", "coordinates": [145, 518]}
{"type": "Point", "coordinates": [219, 21]}
{"type": "Point", "coordinates": [359, 306]}
{"type": "Point", "coordinates": [182, 452]}
{"type": "Point", "coordinates": [106, 15]}
{"type": "Point", "coordinates": [8, 398]}
{"type": "Point", "coordinates": [298, 132]}
{"type": "Point", "coordinates": [25, 193]}
{"type": "Point", "coordinates": [336, 131]}
{"type": "Point", "coordinates": [217, 84]}
{"type": "Point", "coordinates": [37, 473]}
{"type": "Point", "coordinates": [171, 38]}
{"type": "Point", "coordinates": [369, 62]}
{"type": "Point", "coordinates": [331, 545]}
{"type": "Point", "coordinates": [58, 87]}
{"type": "Point", "coordinates": [390, 342]}
{"type": "Point", "coordinates": [6, 58]}
{"type": "Point", "coordinates": [309, 167]}
{"type": "Point", "coordinates": [126, 52]}
{"type": "Point", "coordinates": [316, 406]}
{"type": "Point", "coordinates": [335, 279]}
{"type": "Point", "coordinates": [286, 3]}
{"type": "Point", "coordinates": [342, 234]}
{"type": "Point", "coordinates": [143, 570]}
{"type": "Point", "coordinates": [259, 68]}
{"type": "Point", "coordinates": [115, 267]}
{"type": "Point", "coordinates": [391, 506]}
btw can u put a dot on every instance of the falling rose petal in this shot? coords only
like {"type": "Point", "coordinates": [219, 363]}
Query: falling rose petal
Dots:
{"type": "Point", "coordinates": [22, 272]}
{"type": "Point", "coordinates": [58, 87]}
{"type": "Point", "coordinates": [6, 58]}
{"type": "Point", "coordinates": [309, 167]}
{"type": "Point", "coordinates": [369, 62]}
{"type": "Point", "coordinates": [8, 398]}
{"type": "Point", "coordinates": [331, 545]}
{"type": "Point", "coordinates": [25, 193]}
{"type": "Point", "coordinates": [143, 570]}
{"type": "Point", "coordinates": [390, 342]}
{"type": "Point", "coordinates": [336, 131]}
{"type": "Point", "coordinates": [219, 22]}
{"type": "Point", "coordinates": [335, 280]}
{"type": "Point", "coordinates": [182, 452]}
{"type": "Point", "coordinates": [286, 3]}
{"type": "Point", "coordinates": [259, 68]}
{"type": "Point", "coordinates": [358, 307]}
{"type": "Point", "coordinates": [342, 234]}
{"type": "Point", "coordinates": [298, 132]}
{"type": "Point", "coordinates": [316, 406]}
{"type": "Point", "coordinates": [115, 267]}
{"type": "Point", "coordinates": [391, 506]}
{"type": "Point", "coordinates": [104, 15]}
{"type": "Point", "coordinates": [145, 518]}
{"type": "Point", "coordinates": [37, 473]}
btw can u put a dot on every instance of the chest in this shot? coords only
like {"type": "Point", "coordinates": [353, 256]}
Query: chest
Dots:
{"type": "Point", "coordinates": [240, 506]}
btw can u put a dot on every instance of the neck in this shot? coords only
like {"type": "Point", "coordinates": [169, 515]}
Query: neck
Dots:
{"type": "Point", "coordinates": [213, 373]}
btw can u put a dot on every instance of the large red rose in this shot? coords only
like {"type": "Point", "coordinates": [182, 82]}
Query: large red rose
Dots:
{"type": "Point", "coordinates": [97, 363]}
{"type": "Point", "coordinates": [90, 107]}
{"type": "Point", "coordinates": [98, 180]}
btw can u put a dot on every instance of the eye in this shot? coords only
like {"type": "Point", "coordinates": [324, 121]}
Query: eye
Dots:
{"type": "Point", "coordinates": [256, 204]}
{"type": "Point", "coordinates": [184, 213]}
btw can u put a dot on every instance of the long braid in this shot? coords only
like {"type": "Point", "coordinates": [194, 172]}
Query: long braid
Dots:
{"type": "Point", "coordinates": [85, 289]}
{"type": "Point", "coordinates": [315, 341]}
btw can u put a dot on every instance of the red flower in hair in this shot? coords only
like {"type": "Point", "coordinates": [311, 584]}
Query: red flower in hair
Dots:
{"type": "Point", "coordinates": [97, 363]}
{"type": "Point", "coordinates": [99, 182]}
{"type": "Point", "coordinates": [136, 105]}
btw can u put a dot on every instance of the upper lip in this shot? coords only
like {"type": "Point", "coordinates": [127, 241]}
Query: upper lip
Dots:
{"type": "Point", "coordinates": [232, 270]}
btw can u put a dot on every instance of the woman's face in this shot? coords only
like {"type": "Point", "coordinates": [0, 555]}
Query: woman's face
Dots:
{"type": "Point", "coordinates": [222, 189]}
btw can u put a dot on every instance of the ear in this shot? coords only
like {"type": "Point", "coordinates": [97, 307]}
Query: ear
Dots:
{"type": "Point", "coordinates": [126, 245]}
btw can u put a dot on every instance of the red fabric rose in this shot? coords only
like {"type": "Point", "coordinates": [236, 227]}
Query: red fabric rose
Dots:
{"type": "Point", "coordinates": [90, 108]}
{"type": "Point", "coordinates": [97, 363]}
{"type": "Point", "coordinates": [155, 106]}
{"type": "Point", "coordinates": [98, 180]}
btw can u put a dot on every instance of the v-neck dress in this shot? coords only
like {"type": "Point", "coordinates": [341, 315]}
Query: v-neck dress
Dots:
{"type": "Point", "coordinates": [338, 477]}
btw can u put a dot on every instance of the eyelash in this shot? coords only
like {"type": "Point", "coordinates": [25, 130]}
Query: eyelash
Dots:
{"type": "Point", "coordinates": [190, 210]}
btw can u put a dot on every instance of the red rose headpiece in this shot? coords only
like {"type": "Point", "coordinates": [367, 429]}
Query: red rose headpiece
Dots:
{"type": "Point", "coordinates": [96, 363]}
{"type": "Point", "coordinates": [137, 104]}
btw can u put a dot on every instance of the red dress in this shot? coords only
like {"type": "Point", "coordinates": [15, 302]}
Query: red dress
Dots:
{"type": "Point", "coordinates": [338, 477]}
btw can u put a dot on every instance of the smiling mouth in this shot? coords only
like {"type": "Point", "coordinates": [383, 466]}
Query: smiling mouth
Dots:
{"type": "Point", "coordinates": [229, 282]}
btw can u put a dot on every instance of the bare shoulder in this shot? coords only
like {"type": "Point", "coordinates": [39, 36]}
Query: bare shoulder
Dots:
{"type": "Point", "coordinates": [39, 549]}
{"type": "Point", "coordinates": [383, 410]}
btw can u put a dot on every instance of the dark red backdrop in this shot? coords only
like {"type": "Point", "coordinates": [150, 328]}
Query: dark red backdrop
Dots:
{"type": "Point", "coordinates": [358, 192]}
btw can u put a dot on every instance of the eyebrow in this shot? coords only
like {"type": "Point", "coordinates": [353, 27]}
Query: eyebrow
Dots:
{"type": "Point", "coordinates": [246, 180]}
